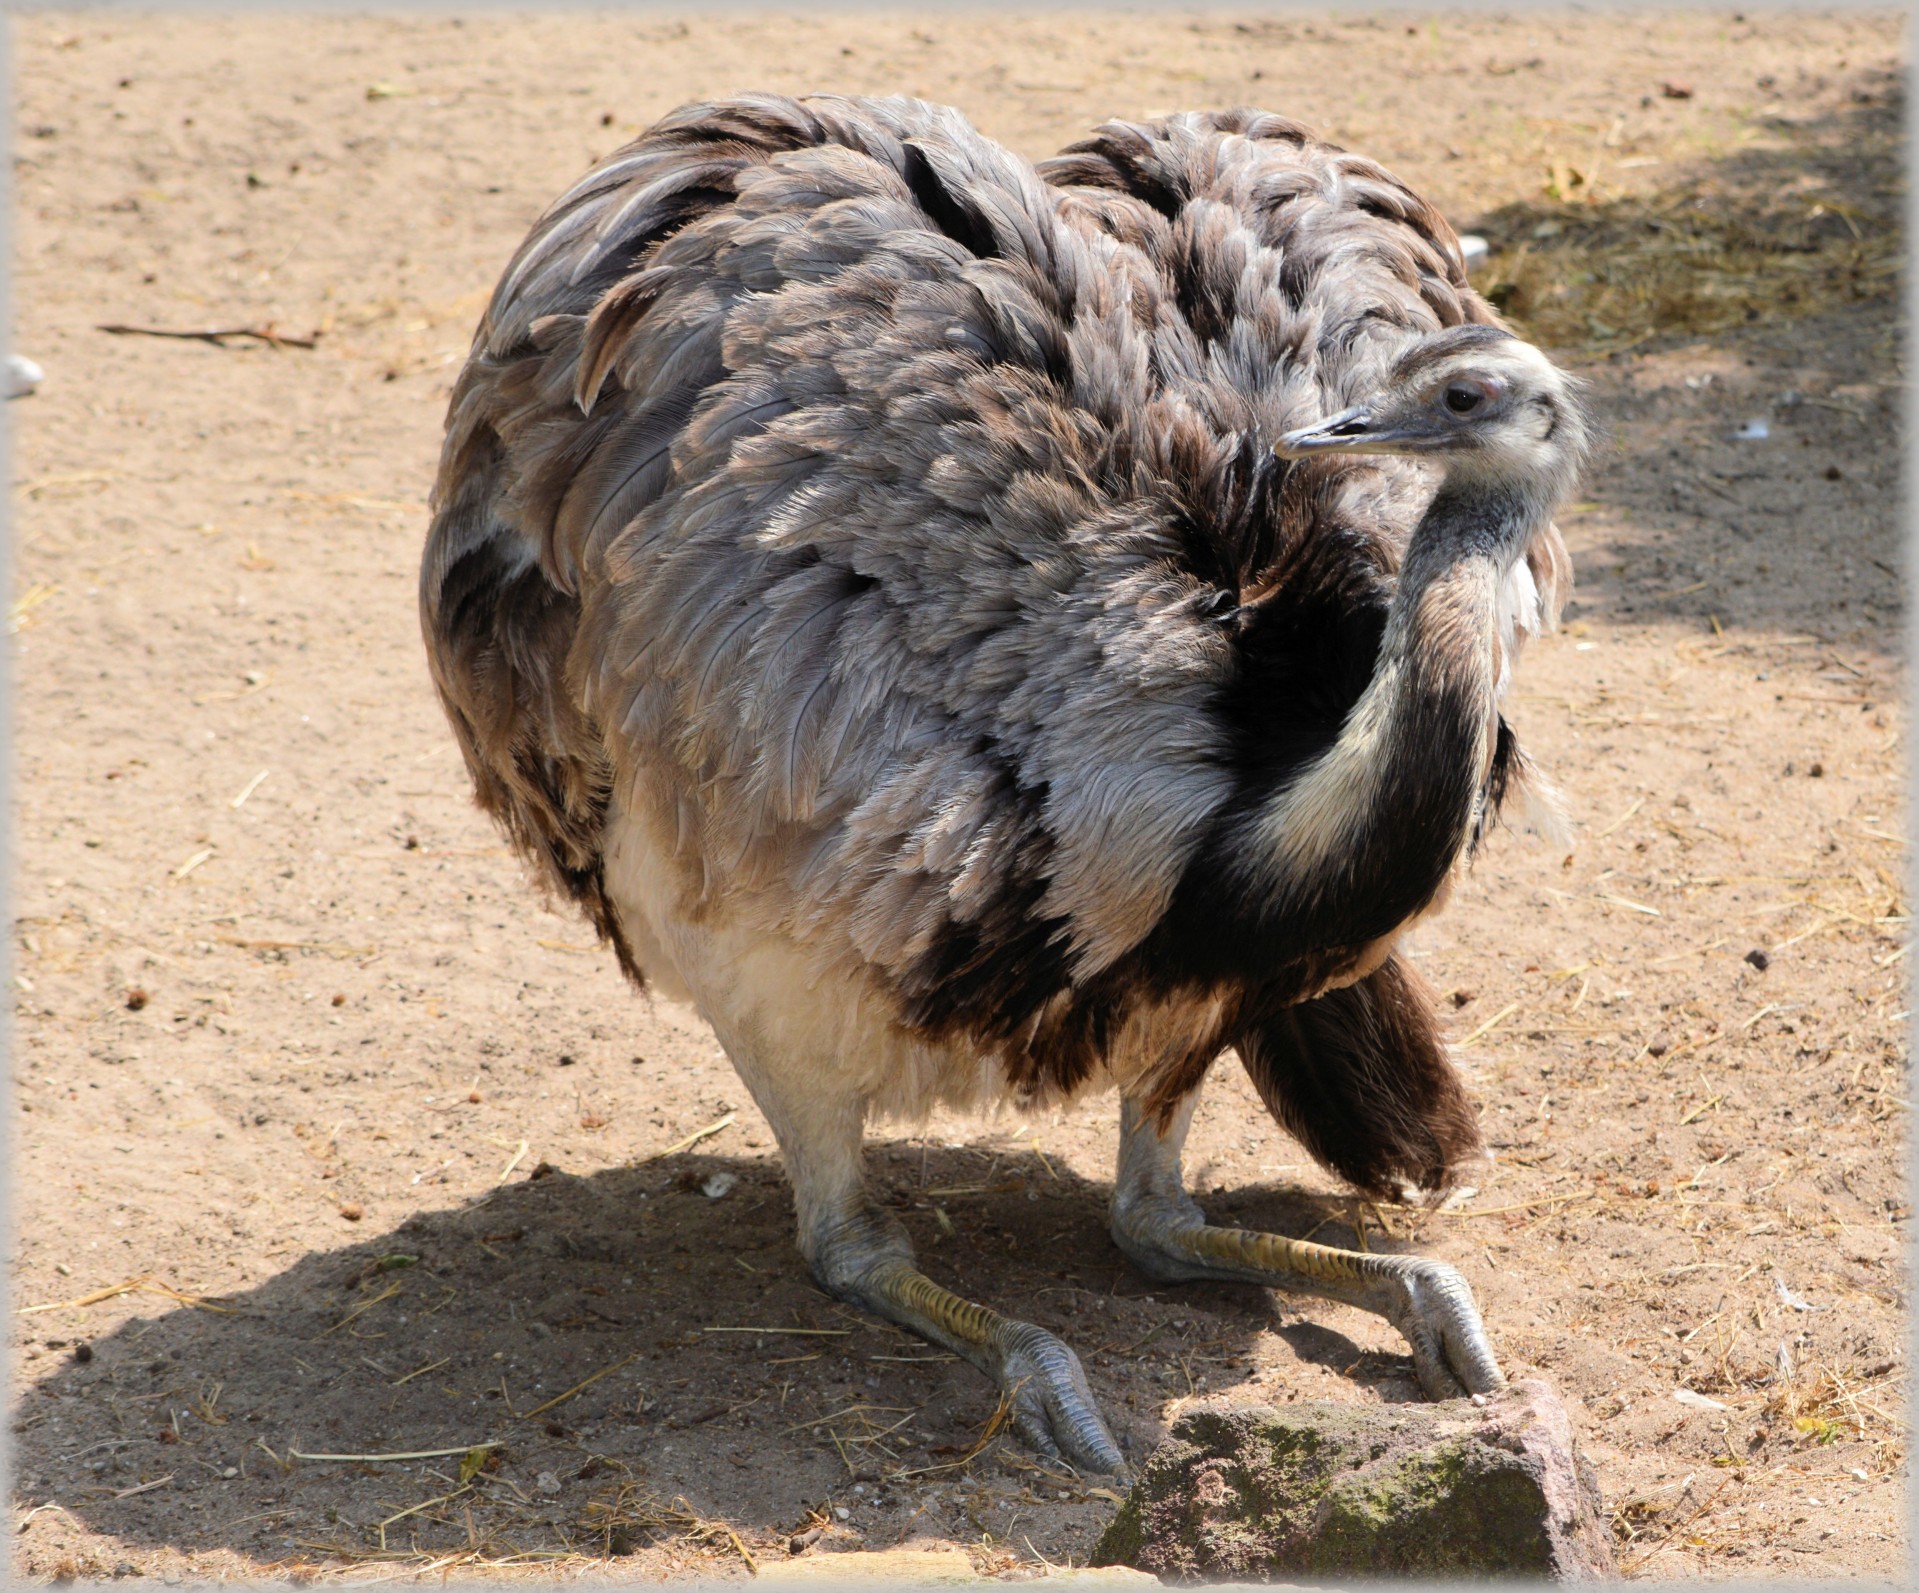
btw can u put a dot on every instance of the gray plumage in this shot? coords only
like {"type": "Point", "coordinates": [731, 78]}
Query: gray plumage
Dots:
{"type": "Point", "coordinates": [862, 578]}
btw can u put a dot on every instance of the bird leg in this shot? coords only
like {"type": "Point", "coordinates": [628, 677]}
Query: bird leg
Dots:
{"type": "Point", "coordinates": [1167, 1236]}
{"type": "Point", "coordinates": [865, 1259]}
{"type": "Point", "coordinates": [860, 1253]}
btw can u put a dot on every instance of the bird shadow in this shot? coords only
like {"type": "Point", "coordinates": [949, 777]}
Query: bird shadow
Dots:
{"type": "Point", "coordinates": [623, 1339]}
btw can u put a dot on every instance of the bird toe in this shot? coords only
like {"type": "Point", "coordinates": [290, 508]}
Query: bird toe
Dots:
{"type": "Point", "coordinates": [1052, 1407]}
{"type": "Point", "coordinates": [1451, 1351]}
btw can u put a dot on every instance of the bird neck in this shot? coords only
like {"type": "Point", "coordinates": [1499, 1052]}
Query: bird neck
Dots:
{"type": "Point", "coordinates": [1364, 839]}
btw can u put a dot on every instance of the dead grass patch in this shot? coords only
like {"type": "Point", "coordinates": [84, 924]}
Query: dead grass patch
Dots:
{"type": "Point", "coordinates": [1776, 233]}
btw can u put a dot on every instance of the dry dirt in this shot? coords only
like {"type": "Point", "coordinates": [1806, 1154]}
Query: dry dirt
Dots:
{"type": "Point", "coordinates": [328, 1140]}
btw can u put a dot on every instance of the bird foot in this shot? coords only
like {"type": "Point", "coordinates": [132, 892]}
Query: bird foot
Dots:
{"type": "Point", "coordinates": [1433, 1306]}
{"type": "Point", "coordinates": [1051, 1407]}
{"type": "Point", "coordinates": [1043, 1388]}
{"type": "Point", "coordinates": [1428, 1301]}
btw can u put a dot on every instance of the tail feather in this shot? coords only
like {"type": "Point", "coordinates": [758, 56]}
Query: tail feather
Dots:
{"type": "Point", "coordinates": [1362, 1079]}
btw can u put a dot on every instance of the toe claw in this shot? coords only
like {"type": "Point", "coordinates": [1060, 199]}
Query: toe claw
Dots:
{"type": "Point", "coordinates": [1032, 1431]}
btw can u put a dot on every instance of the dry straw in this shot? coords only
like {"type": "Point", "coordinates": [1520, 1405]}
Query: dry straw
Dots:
{"type": "Point", "coordinates": [1772, 232]}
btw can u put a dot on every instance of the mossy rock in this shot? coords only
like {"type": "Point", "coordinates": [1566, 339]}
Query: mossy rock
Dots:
{"type": "Point", "coordinates": [1457, 1489]}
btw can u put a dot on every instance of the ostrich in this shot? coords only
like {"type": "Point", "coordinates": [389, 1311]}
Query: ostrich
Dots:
{"type": "Point", "coordinates": [984, 634]}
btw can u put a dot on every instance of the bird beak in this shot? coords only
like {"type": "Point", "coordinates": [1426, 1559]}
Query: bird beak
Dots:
{"type": "Point", "coordinates": [1353, 431]}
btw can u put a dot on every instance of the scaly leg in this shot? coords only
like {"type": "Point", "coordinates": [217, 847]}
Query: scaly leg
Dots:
{"type": "Point", "coordinates": [866, 1260]}
{"type": "Point", "coordinates": [1167, 1236]}
{"type": "Point", "coordinates": [860, 1254]}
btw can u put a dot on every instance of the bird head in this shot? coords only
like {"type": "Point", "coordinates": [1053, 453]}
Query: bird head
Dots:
{"type": "Point", "coordinates": [1473, 398]}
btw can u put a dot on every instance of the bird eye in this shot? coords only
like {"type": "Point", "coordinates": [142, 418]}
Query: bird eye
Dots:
{"type": "Point", "coordinates": [1463, 400]}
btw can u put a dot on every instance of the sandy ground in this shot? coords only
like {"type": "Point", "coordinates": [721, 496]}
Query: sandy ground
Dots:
{"type": "Point", "coordinates": [327, 1139]}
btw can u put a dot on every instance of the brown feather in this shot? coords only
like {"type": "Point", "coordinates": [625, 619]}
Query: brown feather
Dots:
{"type": "Point", "coordinates": [1361, 1078]}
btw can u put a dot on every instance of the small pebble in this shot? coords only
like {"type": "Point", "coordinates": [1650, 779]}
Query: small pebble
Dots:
{"type": "Point", "coordinates": [1759, 959]}
{"type": "Point", "coordinates": [83, 1352]}
{"type": "Point", "coordinates": [718, 1185]}
{"type": "Point", "coordinates": [352, 1213]}
{"type": "Point", "coordinates": [23, 376]}
{"type": "Point", "coordinates": [136, 999]}
{"type": "Point", "coordinates": [1752, 431]}
{"type": "Point", "coordinates": [547, 1483]}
